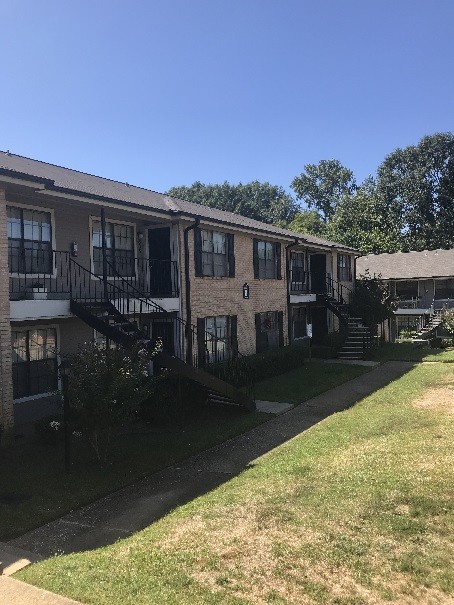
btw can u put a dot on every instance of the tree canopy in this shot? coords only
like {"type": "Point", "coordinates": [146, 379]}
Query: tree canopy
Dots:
{"type": "Point", "coordinates": [418, 182]}
{"type": "Point", "coordinates": [371, 300]}
{"type": "Point", "coordinates": [261, 201]}
{"type": "Point", "coordinates": [322, 186]}
{"type": "Point", "coordinates": [308, 221]}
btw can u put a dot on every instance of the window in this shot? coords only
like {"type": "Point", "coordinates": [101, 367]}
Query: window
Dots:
{"type": "Point", "coordinates": [34, 362]}
{"type": "Point", "coordinates": [407, 290]}
{"type": "Point", "coordinates": [444, 288]}
{"type": "Point", "coordinates": [119, 249]}
{"type": "Point", "coordinates": [267, 260]}
{"type": "Point", "coordinates": [214, 253]}
{"type": "Point", "coordinates": [297, 272]}
{"type": "Point", "coordinates": [217, 338]}
{"type": "Point", "coordinates": [29, 241]}
{"type": "Point", "coordinates": [268, 330]}
{"type": "Point", "coordinates": [344, 267]}
{"type": "Point", "coordinates": [299, 322]}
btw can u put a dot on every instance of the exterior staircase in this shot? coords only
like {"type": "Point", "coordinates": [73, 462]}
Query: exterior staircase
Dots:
{"type": "Point", "coordinates": [358, 340]}
{"type": "Point", "coordinates": [116, 309]}
{"type": "Point", "coordinates": [434, 322]}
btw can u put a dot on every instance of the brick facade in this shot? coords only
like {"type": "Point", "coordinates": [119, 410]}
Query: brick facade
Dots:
{"type": "Point", "coordinates": [6, 385]}
{"type": "Point", "coordinates": [213, 296]}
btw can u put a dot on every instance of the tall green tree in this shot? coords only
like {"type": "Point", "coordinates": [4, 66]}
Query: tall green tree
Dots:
{"type": "Point", "coordinates": [323, 185]}
{"type": "Point", "coordinates": [308, 221]}
{"type": "Point", "coordinates": [260, 201]}
{"type": "Point", "coordinates": [419, 182]}
{"type": "Point", "coordinates": [363, 221]}
{"type": "Point", "coordinates": [372, 301]}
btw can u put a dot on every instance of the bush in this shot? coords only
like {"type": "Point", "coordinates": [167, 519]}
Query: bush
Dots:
{"type": "Point", "coordinates": [163, 406]}
{"type": "Point", "coordinates": [49, 430]}
{"type": "Point", "coordinates": [436, 343]}
{"type": "Point", "coordinates": [323, 352]}
{"type": "Point", "coordinates": [261, 365]}
{"type": "Point", "coordinates": [447, 342]}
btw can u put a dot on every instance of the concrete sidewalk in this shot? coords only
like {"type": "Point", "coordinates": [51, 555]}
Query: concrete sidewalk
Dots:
{"type": "Point", "coordinates": [133, 508]}
{"type": "Point", "coordinates": [14, 592]}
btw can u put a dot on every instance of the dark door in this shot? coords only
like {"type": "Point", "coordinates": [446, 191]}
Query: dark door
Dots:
{"type": "Point", "coordinates": [164, 331]}
{"type": "Point", "coordinates": [318, 273]}
{"type": "Point", "coordinates": [319, 324]}
{"type": "Point", "coordinates": [159, 262]}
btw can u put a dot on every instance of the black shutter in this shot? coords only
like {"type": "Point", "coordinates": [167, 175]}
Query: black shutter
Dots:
{"type": "Point", "coordinates": [198, 252]}
{"type": "Point", "coordinates": [261, 338]}
{"type": "Point", "coordinates": [201, 341]}
{"type": "Point", "coordinates": [234, 335]}
{"type": "Point", "coordinates": [280, 325]}
{"type": "Point", "coordinates": [255, 257]}
{"type": "Point", "coordinates": [349, 268]}
{"type": "Point", "coordinates": [277, 253]}
{"type": "Point", "coordinates": [231, 253]}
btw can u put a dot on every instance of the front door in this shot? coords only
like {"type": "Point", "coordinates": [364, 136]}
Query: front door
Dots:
{"type": "Point", "coordinates": [159, 262]}
{"type": "Point", "coordinates": [318, 273]}
{"type": "Point", "coordinates": [319, 324]}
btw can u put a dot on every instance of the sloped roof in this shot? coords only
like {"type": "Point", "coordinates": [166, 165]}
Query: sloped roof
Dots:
{"type": "Point", "coordinates": [66, 179]}
{"type": "Point", "coordinates": [408, 265]}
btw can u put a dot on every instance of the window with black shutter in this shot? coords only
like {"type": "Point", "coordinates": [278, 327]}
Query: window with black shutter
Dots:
{"type": "Point", "coordinates": [267, 260]}
{"type": "Point", "coordinates": [268, 330]}
{"type": "Point", "coordinates": [214, 254]}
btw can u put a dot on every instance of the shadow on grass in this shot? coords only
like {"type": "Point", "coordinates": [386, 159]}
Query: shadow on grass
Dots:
{"type": "Point", "coordinates": [136, 506]}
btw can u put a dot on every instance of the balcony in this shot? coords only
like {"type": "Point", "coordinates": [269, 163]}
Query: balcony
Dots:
{"type": "Point", "coordinates": [51, 278]}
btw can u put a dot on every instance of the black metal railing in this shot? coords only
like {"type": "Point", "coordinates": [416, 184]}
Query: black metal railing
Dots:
{"type": "Point", "coordinates": [337, 290]}
{"type": "Point", "coordinates": [304, 282]}
{"type": "Point", "coordinates": [47, 275]}
{"type": "Point", "coordinates": [300, 281]}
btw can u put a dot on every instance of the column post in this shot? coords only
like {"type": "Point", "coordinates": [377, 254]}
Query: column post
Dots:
{"type": "Point", "coordinates": [6, 368]}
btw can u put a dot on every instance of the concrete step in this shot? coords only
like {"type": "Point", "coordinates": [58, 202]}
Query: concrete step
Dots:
{"type": "Point", "coordinates": [12, 559]}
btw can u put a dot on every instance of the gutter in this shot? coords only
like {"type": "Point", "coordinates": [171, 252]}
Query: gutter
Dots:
{"type": "Point", "coordinates": [188, 289]}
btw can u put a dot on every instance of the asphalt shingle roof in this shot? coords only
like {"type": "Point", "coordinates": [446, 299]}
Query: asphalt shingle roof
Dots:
{"type": "Point", "coordinates": [408, 265]}
{"type": "Point", "coordinates": [88, 184]}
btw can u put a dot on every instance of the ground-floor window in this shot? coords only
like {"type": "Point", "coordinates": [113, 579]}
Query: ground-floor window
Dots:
{"type": "Point", "coordinates": [35, 368]}
{"type": "Point", "coordinates": [299, 319]}
{"type": "Point", "coordinates": [407, 325]}
{"type": "Point", "coordinates": [268, 330]}
{"type": "Point", "coordinates": [217, 337]}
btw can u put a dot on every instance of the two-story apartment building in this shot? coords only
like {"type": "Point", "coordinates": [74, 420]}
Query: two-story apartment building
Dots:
{"type": "Point", "coordinates": [423, 282]}
{"type": "Point", "coordinates": [84, 257]}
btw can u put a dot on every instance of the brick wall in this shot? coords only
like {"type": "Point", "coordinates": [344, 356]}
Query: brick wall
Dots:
{"type": "Point", "coordinates": [212, 296]}
{"type": "Point", "coordinates": [6, 385]}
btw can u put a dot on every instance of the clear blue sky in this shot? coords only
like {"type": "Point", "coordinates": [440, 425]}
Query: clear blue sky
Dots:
{"type": "Point", "coordinates": [165, 92]}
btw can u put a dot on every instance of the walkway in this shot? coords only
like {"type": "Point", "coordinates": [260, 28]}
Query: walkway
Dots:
{"type": "Point", "coordinates": [133, 508]}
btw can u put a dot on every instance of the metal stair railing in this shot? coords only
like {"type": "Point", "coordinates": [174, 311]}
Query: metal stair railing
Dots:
{"type": "Point", "coordinates": [236, 369]}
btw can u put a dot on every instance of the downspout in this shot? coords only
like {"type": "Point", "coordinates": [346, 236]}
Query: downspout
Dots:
{"type": "Point", "coordinates": [287, 273]}
{"type": "Point", "coordinates": [187, 281]}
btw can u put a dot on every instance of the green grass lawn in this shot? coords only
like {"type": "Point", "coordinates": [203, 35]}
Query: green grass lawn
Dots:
{"type": "Point", "coordinates": [356, 510]}
{"type": "Point", "coordinates": [34, 488]}
{"type": "Point", "coordinates": [405, 351]}
{"type": "Point", "coordinates": [308, 381]}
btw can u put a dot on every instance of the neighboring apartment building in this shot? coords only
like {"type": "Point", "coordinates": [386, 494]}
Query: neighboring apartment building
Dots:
{"type": "Point", "coordinates": [423, 282]}
{"type": "Point", "coordinates": [84, 257]}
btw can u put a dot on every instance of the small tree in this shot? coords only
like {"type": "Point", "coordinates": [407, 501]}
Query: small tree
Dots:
{"type": "Point", "coordinates": [447, 321]}
{"type": "Point", "coordinates": [372, 301]}
{"type": "Point", "coordinates": [106, 387]}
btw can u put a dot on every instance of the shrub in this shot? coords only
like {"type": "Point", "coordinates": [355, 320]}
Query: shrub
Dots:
{"type": "Point", "coordinates": [49, 430]}
{"type": "Point", "coordinates": [261, 365]}
{"type": "Point", "coordinates": [323, 352]}
{"type": "Point", "coordinates": [436, 343]}
{"type": "Point", "coordinates": [447, 321]}
{"type": "Point", "coordinates": [106, 388]}
{"type": "Point", "coordinates": [163, 404]}
{"type": "Point", "coordinates": [447, 342]}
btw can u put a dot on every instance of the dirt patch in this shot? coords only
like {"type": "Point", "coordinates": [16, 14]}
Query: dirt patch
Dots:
{"type": "Point", "coordinates": [440, 399]}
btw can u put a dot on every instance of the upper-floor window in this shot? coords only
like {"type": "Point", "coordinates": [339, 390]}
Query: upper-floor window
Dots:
{"type": "Point", "coordinates": [29, 240]}
{"type": "Point", "coordinates": [214, 253]}
{"type": "Point", "coordinates": [34, 362]}
{"type": "Point", "coordinates": [267, 260]}
{"type": "Point", "coordinates": [119, 249]}
{"type": "Point", "coordinates": [344, 267]}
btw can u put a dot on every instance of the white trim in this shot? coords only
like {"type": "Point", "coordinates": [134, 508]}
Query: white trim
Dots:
{"type": "Point", "coordinates": [53, 240]}
{"type": "Point", "coordinates": [92, 218]}
{"type": "Point", "coordinates": [55, 327]}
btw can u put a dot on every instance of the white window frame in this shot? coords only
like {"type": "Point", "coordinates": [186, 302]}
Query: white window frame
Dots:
{"type": "Point", "coordinates": [56, 327]}
{"type": "Point", "coordinates": [53, 240]}
{"type": "Point", "coordinates": [93, 218]}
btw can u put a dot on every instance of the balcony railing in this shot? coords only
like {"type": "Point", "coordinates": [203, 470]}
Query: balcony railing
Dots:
{"type": "Point", "coordinates": [300, 282]}
{"type": "Point", "coordinates": [47, 275]}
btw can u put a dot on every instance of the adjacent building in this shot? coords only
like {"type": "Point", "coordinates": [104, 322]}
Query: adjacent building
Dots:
{"type": "Point", "coordinates": [423, 282]}
{"type": "Point", "coordinates": [85, 257]}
